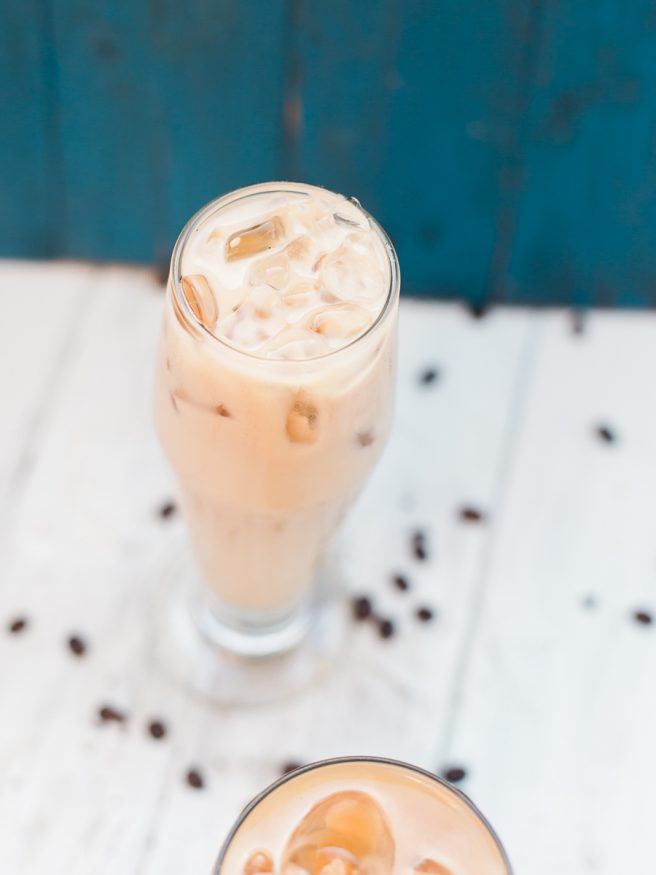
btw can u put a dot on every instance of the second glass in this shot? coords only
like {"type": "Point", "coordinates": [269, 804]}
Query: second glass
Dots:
{"type": "Point", "coordinates": [272, 433]}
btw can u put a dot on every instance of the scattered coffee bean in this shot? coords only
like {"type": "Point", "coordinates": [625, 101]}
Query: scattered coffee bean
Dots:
{"type": "Point", "coordinates": [290, 766]}
{"type": "Point", "coordinates": [167, 510]}
{"type": "Point", "coordinates": [454, 774]}
{"type": "Point", "coordinates": [18, 625]}
{"type": "Point", "coordinates": [385, 628]}
{"type": "Point", "coordinates": [471, 514]}
{"type": "Point", "coordinates": [428, 376]}
{"type": "Point", "coordinates": [362, 607]}
{"type": "Point", "coordinates": [419, 547]}
{"type": "Point", "coordinates": [424, 614]}
{"type": "Point", "coordinates": [606, 434]}
{"type": "Point", "coordinates": [109, 714]}
{"type": "Point", "coordinates": [77, 645]}
{"type": "Point", "coordinates": [195, 779]}
{"type": "Point", "coordinates": [222, 410]}
{"type": "Point", "coordinates": [478, 309]}
{"type": "Point", "coordinates": [578, 321]}
{"type": "Point", "coordinates": [401, 582]}
{"type": "Point", "coordinates": [644, 618]}
{"type": "Point", "coordinates": [157, 729]}
{"type": "Point", "coordinates": [161, 272]}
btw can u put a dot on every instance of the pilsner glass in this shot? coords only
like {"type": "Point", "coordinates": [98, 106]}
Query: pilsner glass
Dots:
{"type": "Point", "coordinates": [274, 397]}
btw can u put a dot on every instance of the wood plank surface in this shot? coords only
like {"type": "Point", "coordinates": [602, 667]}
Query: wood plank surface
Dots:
{"type": "Point", "coordinates": [534, 675]}
{"type": "Point", "coordinates": [558, 711]}
{"type": "Point", "coordinates": [88, 555]}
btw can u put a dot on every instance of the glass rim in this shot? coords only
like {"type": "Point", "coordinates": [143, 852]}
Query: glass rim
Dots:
{"type": "Point", "coordinates": [280, 187]}
{"type": "Point", "coordinates": [318, 764]}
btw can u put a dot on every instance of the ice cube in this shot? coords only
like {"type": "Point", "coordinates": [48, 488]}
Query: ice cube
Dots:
{"type": "Point", "coordinates": [258, 863]}
{"type": "Point", "coordinates": [339, 320]}
{"type": "Point", "coordinates": [260, 303]}
{"type": "Point", "coordinates": [300, 248]}
{"type": "Point", "coordinates": [302, 427]}
{"type": "Point", "coordinates": [253, 323]}
{"type": "Point", "coordinates": [303, 294]}
{"type": "Point", "coordinates": [272, 271]}
{"type": "Point", "coordinates": [293, 869]}
{"type": "Point", "coordinates": [349, 827]}
{"type": "Point", "coordinates": [431, 867]}
{"type": "Point", "coordinates": [351, 274]}
{"type": "Point", "coordinates": [255, 239]}
{"type": "Point", "coordinates": [314, 217]}
{"type": "Point", "coordinates": [198, 294]}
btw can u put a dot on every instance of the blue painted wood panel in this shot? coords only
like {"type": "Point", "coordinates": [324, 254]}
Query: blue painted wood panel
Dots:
{"type": "Point", "coordinates": [585, 224]}
{"type": "Point", "coordinates": [509, 148]}
{"type": "Point", "coordinates": [30, 172]}
{"type": "Point", "coordinates": [411, 106]}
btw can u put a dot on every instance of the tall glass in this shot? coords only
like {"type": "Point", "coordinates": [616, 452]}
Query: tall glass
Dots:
{"type": "Point", "coordinates": [361, 816]}
{"type": "Point", "coordinates": [269, 455]}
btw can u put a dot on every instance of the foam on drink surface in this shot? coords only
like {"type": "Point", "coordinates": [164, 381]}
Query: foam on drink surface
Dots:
{"type": "Point", "coordinates": [286, 275]}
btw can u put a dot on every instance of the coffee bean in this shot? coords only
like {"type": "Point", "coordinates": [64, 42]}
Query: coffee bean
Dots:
{"type": "Point", "coordinates": [290, 766]}
{"type": "Point", "coordinates": [157, 729]}
{"type": "Point", "coordinates": [419, 547]}
{"type": "Point", "coordinates": [425, 615]}
{"type": "Point", "coordinates": [361, 607]}
{"type": "Point", "coordinates": [478, 309]}
{"type": "Point", "coordinates": [385, 628]}
{"type": "Point", "coordinates": [606, 434]}
{"type": "Point", "coordinates": [454, 774]}
{"type": "Point", "coordinates": [471, 514]}
{"type": "Point", "coordinates": [428, 376]}
{"type": "Point", "coordinates": [18, 625]}
{"type": "Point", "coordinates": [401, 582]}
{"type": "Point", "coordinates": [167, 510]}
{"type": "Point", "coordinates": [365, 438]}
{"type": "Point", "coordinates": [195, 779]}
{"type": "Point", "coordinates": [644, 618]}
{"type": "Point", "coordinates": [77, 645]}
{"type": "Point", "coordinates": [161, 272]}
{"type": "Point", "coordinates": [109, 714]}
{"type": "Point", "coordinates": [578, 321]}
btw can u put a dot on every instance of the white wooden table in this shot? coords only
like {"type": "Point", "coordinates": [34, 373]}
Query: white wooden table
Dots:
{"type": "Point", "coordinates": [534, 676]}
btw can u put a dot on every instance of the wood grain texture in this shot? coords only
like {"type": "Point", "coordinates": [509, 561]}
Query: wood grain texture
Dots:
{"type": "Point", "coordinates": [558, 713]}
{"type": "Point", "coordinates": [508, 148]}
{"type": "Point", "coordinates": [160, 110]}
{"type": "Point", "coordinates": [585, 226]}
{"type": "Point", "coordinates": [87, 553]}
{"type": "Point", "coordinates": [534, 676]}
{"type": "Point", "coordinates": [30, 159]}
{"type": "Point", "coordinates": [412, 107]}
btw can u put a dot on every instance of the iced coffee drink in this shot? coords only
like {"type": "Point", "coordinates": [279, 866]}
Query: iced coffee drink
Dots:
{"type": "Point", "coordinates": [274, 393]}
{"type": "Point", "coordinates": [362, 817]}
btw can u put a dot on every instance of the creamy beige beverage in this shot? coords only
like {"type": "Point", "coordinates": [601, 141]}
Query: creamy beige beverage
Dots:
{"type": "Point", "coordinates": [275, 384]}
{"type": "Point", "coordinates": [362, 817]}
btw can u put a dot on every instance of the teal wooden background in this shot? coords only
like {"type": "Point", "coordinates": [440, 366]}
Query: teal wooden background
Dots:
{"type": "Point", "coordinates": [509, 147]}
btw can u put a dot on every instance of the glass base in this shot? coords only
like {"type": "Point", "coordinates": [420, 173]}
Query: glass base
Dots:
{"type": "Point", "coordinates": [233, 667]}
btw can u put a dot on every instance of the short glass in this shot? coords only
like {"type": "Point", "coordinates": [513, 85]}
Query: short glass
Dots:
{"type": "Point", "coordinates": [361, 816]}
{"type": "Point", "coordinates": [269, 455]}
